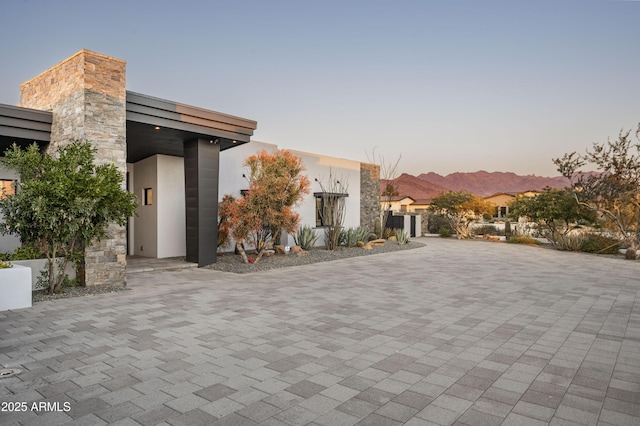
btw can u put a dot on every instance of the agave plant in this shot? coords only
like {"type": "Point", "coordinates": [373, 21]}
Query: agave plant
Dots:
{"type": "Point", "coordinates": [350, 237]}
{"type": "Point", "coordinates": [306, 237]}
{"type": "Point", "coordinates": [402, 237]}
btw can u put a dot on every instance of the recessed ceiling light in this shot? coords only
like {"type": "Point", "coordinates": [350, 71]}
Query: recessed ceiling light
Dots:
{"type": "Point", "coordinates": [157, 127]}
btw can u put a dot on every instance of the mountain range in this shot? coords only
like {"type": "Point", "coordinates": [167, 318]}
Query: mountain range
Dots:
{"type": "Point", "coordinates": [429, 185]}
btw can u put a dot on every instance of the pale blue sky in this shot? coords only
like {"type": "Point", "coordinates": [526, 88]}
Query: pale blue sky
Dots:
{"type": "Point", "coordinates": [450, 85]}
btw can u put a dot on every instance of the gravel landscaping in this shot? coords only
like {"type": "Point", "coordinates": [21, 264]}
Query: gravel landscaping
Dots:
{"type": "Point", "coordinates": [67, 292]}
{"type": "Point", "coordinates": [233, 263]}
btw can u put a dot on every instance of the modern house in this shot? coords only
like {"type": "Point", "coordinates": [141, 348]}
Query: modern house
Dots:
{"type": "Point", "coordinates": [179, 160]}
{"type": "Point", "coordinates": [404, 213]}
{"type": "Point", "coordinates": [501, 201]}
{"type": "Point", "coordinates": [396, 203]}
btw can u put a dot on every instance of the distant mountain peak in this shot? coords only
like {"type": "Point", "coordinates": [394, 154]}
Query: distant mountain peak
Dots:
{"type": "Point", "coordinates": [482, 183]}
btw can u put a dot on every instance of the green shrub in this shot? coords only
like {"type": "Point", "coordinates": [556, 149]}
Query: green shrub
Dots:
{"type": "Point", "coordinates": [445, 232]}
{"type": "Point", "coordinates": [598, 243]}
{"type": "Point", "coordinates": [569, 242]}
{"type": "Point", "coordinates": [522, 239]}
{"type": "Point", "coordinates": [306, 237]}
{"type": "Point", "coordinates": [5, 264]}
{"type": "Point", "coordinates": [486, 230]}
{"type": "Point", "coordinates": [388, 232]}
{"type": "Point", "coordinates": [27, 252]}
{"type": "Point", "coordinates": [402, 237]}
{"type": "Point", "coordinates": [436, 222]}
{"type": "Point", "coordinates": [349, 237]}
{"type": "Point", "coordinates": [42, 281]}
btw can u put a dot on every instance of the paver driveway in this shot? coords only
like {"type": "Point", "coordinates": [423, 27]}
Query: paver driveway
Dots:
{"type": "Point", "coordinates": [470, 333]}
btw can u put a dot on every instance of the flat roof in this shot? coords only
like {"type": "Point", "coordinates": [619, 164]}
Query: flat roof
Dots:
{"type": "Point", "coordinates": [160, 126]}
{"type": "Point", "coordinates": [154, 126]}
{"type": "Point", "coordinates": [23, 126]}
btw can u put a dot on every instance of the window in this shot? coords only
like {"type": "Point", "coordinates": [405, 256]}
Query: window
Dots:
{"type": "Point", "coordinates": [328, 206]}
{"type": "Point", "coordinates": [148, 196]}
{"type": "Point", "coordinates": [7, 187]}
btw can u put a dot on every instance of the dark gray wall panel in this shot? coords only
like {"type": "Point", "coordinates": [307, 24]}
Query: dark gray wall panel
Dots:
{"type": "Point", "coordinates": [201, 162]}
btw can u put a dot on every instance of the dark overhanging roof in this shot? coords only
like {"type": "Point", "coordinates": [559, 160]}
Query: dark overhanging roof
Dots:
{"type": "Point", "coordinates": [154, 126]}
{"type": "Point", "coordinates": [158, 126]}
{"type": "Point", "coordinates": [23, 126]}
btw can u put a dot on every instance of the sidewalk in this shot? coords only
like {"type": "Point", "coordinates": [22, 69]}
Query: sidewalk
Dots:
{"type": "Point", "coordinates": [473, 333]}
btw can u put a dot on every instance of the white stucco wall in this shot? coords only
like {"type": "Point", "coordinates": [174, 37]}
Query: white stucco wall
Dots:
{"type": "Point", "coordinates": [231, 170]}
{"type": "Point", "coordinates": [145, 241]}
{"type": "Point", "coordinates": [160, 228]}
{"type": "Point", "coordinates": [171, 212]}
{"type": "Point", "coordinates": [322, 167]}
{"type": "Point", "coordinates": [318, 167]}
{"type": "Point", "coordinates": [8, 243]}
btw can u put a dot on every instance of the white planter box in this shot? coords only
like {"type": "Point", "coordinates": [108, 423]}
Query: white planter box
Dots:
{"type": "Point", "coordinates": [15, 288]}
{"type": "Point", "coordinates": [38, 265]}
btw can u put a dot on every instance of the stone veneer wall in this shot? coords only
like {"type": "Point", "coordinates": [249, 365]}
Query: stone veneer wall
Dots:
{"type": "Point", "coordinates": [87, 95]}
{"type": "Point", "coordinates": [369, 195]}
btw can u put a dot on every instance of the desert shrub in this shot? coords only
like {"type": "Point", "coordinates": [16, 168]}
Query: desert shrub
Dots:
{"type": "Point", "coordinates": [522, 239]}
{"type": "Point", "coordinates": [436, 222]}
{"type": "Point", "coordinates": [27, 252]}
{"type": "Point", "coordinates": [402, 237]}
{"type": "Point", "coordinates": [349, 237]}
{"type": "Point", "coordinates": [568, 242]}
{"type": "Point", "coordinates": [306, 237]}
{"type": "Point", "coordinates": [598, 243]}
{"type": "Point", "coordinates": [388, 232]}
{"type": "Point", "coordinates": [42, 281]}
{"type": "Point", "coordinates": [486, 230]}
{"type": "Point", "coordinates": [445, 232]}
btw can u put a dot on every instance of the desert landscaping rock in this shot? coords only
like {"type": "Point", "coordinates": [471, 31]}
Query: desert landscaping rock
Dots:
{"type": "Point", "coordinates": [229, 262]}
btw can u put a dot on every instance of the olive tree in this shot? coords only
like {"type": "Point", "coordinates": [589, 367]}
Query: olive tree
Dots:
{"type": "Point", "coordinates": [64, 201]}
{"type": "Point", "coordinates": [461, 209]}
{"type": "Point", "coordinates": [554, 212]}
{"type": "Point", "coordinates": [613, 191]}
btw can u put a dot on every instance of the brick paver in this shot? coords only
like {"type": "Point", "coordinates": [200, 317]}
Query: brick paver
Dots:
{"type": "Point", "coordinates": [472, 333]}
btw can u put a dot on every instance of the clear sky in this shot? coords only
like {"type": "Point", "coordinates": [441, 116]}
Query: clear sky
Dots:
{"type": "Point", "coordinates": [449, 85]}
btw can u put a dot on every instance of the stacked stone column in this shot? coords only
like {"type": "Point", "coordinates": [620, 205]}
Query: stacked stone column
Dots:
{"type": "Point", "coordinates": [87, 95]}
{"type": "Point", "coordinates": [369, 195]}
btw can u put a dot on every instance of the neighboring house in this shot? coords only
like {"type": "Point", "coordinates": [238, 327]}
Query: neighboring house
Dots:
{"type": "Point", "coordinates": [178, 159]}
{"type": "Point", "coordinates": [396, 203]}
{"type": "Point", "coordinates": [420, 205]}
{"type": "Point", "coordinates": [501, 201]}
{"type": "Point", "coordinates": [403, 215]}
{"type": "Point", "coordinates": [405, 204]}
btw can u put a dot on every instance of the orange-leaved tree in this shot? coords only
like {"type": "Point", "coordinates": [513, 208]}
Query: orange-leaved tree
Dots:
{"type": "Point", "coordinates": [276, 186]}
